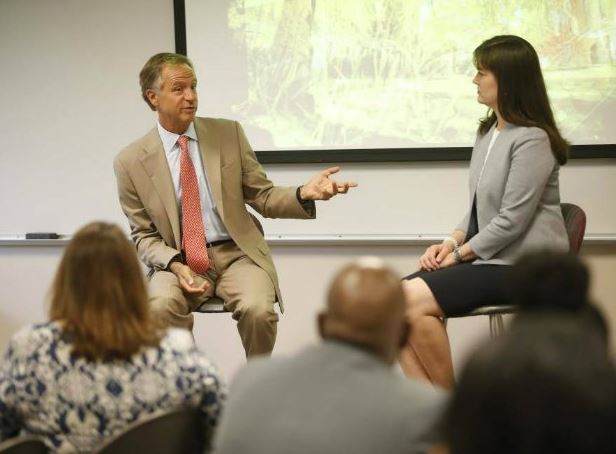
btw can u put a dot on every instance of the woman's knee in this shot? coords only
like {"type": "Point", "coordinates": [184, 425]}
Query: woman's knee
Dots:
{"type": "Point", "coordinates": [420, 300]}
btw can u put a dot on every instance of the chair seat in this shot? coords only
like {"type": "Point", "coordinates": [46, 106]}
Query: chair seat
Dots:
{"type": "Point", "coordinates": [575, 224]}
{"type": "Point", "coordinates": [490, 310]}
{"type": "Point", "coordinates": [495, 313]}
{"type": "Point", "coordinates": [213, 305]}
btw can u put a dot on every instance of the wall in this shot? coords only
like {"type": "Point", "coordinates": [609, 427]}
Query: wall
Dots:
{"type": "Point", "coordinates": [304, 272]}
{"type": "Point", "coordinates": [70, 101]}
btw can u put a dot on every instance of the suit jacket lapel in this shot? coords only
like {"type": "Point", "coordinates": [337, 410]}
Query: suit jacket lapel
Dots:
{"type": "Point", "coordinates": [157, 168]}
{"type": "Point", "coordinates": [479, 156]}
{"type": "Point", "coordinates": [209, 147]}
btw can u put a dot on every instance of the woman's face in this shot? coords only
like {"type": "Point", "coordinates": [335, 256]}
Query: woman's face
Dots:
{"type": "Point", "coordinates": [487, 88]}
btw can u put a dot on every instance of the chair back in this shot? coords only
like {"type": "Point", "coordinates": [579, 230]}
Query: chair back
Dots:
{"type": "Point", "coordinates": [171, 432]}
{"type": "Point", "coordinates": [575, 223]}
{"type": "Point", "coordinates": [23, 445]}
{"type": "Point", "coordinates": [257, 223]}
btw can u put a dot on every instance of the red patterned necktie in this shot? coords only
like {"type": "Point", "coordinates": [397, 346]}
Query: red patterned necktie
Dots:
{"type": "Point", "coordinates": [193, 233]}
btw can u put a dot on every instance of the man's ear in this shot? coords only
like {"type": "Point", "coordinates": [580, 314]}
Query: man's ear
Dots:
{"type": "Point", "coordinates": [152, 97]}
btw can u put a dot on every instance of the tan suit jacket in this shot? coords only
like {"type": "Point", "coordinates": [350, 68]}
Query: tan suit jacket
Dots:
{"type": "Point", "coordinates": [235, 176]}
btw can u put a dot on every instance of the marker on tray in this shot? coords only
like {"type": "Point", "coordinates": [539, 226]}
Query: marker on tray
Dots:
{"type": "Point", "coordinates": [42, 236]}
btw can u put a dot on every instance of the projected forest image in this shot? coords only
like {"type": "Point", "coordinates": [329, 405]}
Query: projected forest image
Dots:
{"type": "Point", "coordinates": [397, 73]}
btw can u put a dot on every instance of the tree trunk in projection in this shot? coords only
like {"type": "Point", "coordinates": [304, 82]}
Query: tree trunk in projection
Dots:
{"type": "Point", "coordinates": [292, 51]}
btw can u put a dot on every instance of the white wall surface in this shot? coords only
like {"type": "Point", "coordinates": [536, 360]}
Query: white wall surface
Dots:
{"type": "Point", "coordinates": [70, 101]}
{"type": "Point", "coordinates": [305, 273]}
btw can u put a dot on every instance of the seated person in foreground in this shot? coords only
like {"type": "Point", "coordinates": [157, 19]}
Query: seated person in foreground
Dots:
{"type": "Point", "coordinates": [546, 386]}
{"type": "Point", "coordinates": [101, 362]}
{"type": "Point", "coordinates": [546, 281]}
{"type": "Point", "coordinates": [550, 280]}
{"type": "Point", "coordinates": [342, 395]}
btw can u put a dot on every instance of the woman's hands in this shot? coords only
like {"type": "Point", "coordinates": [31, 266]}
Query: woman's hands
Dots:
{"type": "Point", "coordinates": [438, 256]}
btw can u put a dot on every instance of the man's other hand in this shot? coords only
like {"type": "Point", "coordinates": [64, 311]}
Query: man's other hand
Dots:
{"type": "Point", "coordinates": [187, 280]}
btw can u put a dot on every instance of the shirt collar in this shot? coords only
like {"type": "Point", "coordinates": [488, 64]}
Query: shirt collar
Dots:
{"type": "Point", "coordinates": [169, 139]}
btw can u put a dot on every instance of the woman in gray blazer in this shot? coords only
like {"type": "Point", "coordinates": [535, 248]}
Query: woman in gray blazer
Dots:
{"type": "Point", "coordinates": [514, 206]}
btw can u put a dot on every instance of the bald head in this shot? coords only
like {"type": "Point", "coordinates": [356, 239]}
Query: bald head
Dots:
{"type": "Point", "coordinates": [365, 306]}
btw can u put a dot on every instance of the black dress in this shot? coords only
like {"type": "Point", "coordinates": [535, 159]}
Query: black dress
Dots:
{"type": "Point", "coordinates": [461, 288]}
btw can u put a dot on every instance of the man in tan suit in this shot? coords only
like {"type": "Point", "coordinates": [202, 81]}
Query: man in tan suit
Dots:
{"type": "Point", "coordinates": [235, 262]}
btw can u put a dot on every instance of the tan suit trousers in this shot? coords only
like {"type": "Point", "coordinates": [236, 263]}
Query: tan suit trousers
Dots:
{"type": "Point", "coordinates": [246, 289]}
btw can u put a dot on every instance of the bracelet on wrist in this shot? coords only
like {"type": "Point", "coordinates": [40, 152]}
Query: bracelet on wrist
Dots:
{"type": "Point", "coordinates": [453, 241]}
{"type": "Point", "coordinates": [456, 255]}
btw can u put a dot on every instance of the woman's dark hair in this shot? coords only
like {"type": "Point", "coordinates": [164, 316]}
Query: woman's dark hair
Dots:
{"type": "Point", "coordinates": [522, 97]}
{"type": "Point", "coordinates": [548, 385]}
{"type": "Point", "coordinates": [550, 280]}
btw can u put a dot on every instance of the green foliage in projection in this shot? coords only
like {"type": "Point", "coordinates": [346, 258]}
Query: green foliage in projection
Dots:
{"type": "Point", "coordinates": [361, 73]}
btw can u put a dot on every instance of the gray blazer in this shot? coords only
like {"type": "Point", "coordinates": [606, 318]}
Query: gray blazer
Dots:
{"type": "Point", "coordinates": [331, 398]}
{"type": "Point", "coordinates": [518, 200]}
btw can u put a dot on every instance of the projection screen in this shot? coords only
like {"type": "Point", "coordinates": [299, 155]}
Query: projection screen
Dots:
{"type": "Point", "coordinates": [316, 77]}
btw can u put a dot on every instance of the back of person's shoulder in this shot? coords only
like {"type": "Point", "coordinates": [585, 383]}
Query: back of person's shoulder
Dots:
{"type": "Point", "coordinates": [34, 335]}
{"type": "Point", "coordinates": [263, 370]}
{"type": "Point", "coordinates": [421, 396]}
{"type": "Point", "coordinates": [178, 346]}
{"type": "Point", "coordinates": [177, 339]}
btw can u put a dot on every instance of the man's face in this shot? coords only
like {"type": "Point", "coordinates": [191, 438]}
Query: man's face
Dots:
{"type": "Point", "coordinates": [176, 98]}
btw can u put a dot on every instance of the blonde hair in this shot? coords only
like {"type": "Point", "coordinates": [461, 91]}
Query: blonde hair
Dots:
{"type": "Point", "coordinates": [99, 295]}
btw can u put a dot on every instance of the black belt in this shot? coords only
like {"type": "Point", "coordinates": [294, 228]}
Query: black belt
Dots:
{"type": "Point", "coordinates": [218, 242]}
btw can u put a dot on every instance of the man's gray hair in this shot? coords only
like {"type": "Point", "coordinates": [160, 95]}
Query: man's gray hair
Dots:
{"type": "Point", "coordinates": [149, 77]}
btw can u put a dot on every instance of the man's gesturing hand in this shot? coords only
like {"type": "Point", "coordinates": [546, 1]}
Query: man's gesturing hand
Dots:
{"type": "Point", "coordinates": [320, 187]}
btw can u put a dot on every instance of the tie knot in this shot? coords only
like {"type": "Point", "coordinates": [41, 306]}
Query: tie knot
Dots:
{"type": "Point", "coordinates": [183, 142]}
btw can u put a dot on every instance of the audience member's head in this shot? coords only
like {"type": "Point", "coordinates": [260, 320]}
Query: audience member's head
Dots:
{"type": "Point", "coordinates": [547, 385]}
{"type": "Point", "coordinates": [365, 307]}
{"type": "Point", "coordinates": [99, 295]}
{"type": "Point", "coordinates": [551, 281]}
{"type": "Point", "coordinates": [548, 280]}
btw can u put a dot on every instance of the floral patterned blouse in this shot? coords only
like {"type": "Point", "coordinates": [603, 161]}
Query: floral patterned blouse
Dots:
{"type": "Point", "coordinates": [73, 403]}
